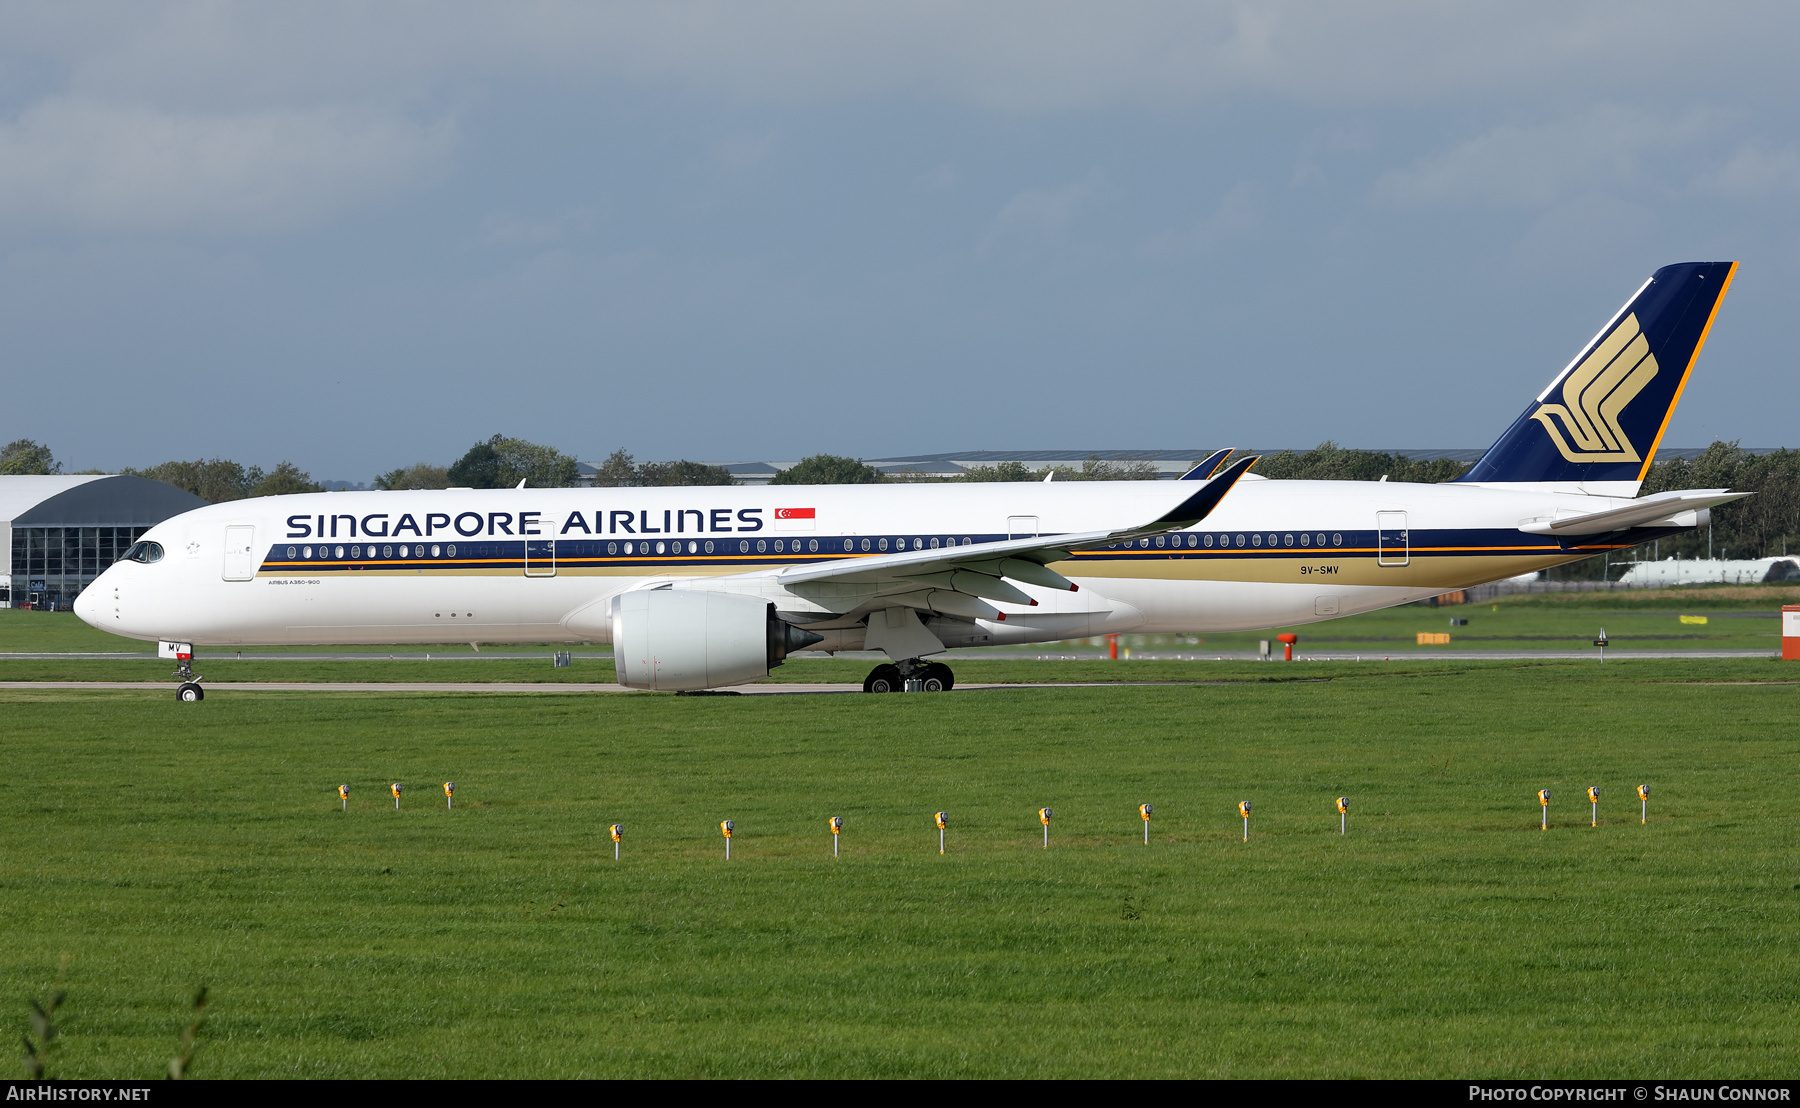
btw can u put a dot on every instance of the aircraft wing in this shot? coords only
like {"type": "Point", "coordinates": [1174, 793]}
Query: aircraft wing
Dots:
{"type": "Point", "coordinates": [1649, 511]}
{"type": "Point", "coordinates": [981, 569]}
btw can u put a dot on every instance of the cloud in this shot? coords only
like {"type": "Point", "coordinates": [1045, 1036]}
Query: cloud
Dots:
{"type": "Point", "coordinates": [1755, 171]}
{"type": "Point", "coordinates": [1037, 214]}
{"type": "Point", "coordinates": [96, 166]}
{"type": "Point", "coordinates": [1000, 55]}
{"type": "Point", "coordinates": [1515, 166]}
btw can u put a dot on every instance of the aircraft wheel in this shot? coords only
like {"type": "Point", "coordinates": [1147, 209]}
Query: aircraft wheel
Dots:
{"type": "Point", "coordinates": [190, 691]}
{"type": "Point", "coordinates": [883, 678]}
{"type": "Point", "coordinates": [938, 677]}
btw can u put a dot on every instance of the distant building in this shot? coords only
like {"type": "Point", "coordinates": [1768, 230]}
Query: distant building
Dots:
{"type": "Point", "coordinates": [58, 533]}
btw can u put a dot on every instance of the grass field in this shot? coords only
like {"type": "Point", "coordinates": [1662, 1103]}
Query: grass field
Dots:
{"type": "Point", "coordinates": [157, 846]}
{"type": "Point", "coordinates": [1737, 618]}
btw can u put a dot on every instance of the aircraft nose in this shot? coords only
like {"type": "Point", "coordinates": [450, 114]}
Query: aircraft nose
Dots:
{"type": "Point", "coordinates": [88, 604]}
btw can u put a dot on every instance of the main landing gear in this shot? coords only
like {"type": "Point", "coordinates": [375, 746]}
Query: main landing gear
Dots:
{"type": "Point", "coordinates": [911, 675]}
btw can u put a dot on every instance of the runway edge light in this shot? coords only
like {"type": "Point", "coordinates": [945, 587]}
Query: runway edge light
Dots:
{"type": "Point", "coordinates": [1644, 797]}
{"type": "Point", "coordinates": [726, 827]}
{"type": "Point", "coordinates": [1343, 807]}
{"type": "Point", "coordinates": [1594, 799]}
{"type": "Point", "coordinates": [1244, 810]}
{"type": "Point", "coordinates": [837, 828]}
{"type": "Point", "coordinates": [942, 820]}
{"type": "Point", "coordinates": [1544, 801]}
{"type": "Point", "coordinates": [617, 831]}
{"type": "Point", "coordinates": [449, 794]}
{"type": "Point", "coordinates": [1044, 815]}
{"type": "Point", "coordinates": [1144, 810]}
{"type": "Point", "coordinates": [344, 795]}
{"type": "Point", "coordinates": [395, 788]}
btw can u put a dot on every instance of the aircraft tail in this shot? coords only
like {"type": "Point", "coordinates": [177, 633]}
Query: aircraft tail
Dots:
{"type": "Point", "coordinates": [1602, 418]}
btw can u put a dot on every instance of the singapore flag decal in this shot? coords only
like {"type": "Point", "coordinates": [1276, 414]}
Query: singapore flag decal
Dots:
{"type": "Point", "coordinates": [795, 513]}
{"type": "Point", "coordinates": [795, 519]}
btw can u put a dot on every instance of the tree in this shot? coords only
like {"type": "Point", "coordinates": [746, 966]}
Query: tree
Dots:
{"type": "Point", "coordinates": [286, 478]}
{"type": "Point", "coordinates": [419, 475]}
{"type": "Point", "coordinates": [829, 469]}
{"type": "Point", "coordinates": [683, 472]}
{"type": "Point", "coordinates": [1330, 462]}
{"type": "Point", "coordinates": [1097, 469]}
{"type": "Point", "coordinates": [478, 469]}
{"type": "Point", "coordinates": [501, 463]}
{"type": "Point", "coordinates": [23, 456]}
{"type": "Point", "coordinates": [216, 480]}
{"type": "Point", "coordinates": [618, 471]}
{"type": "Point", "coordinates": [1005, 471]}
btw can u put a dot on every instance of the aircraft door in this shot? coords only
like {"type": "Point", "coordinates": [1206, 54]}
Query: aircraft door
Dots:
{"type": "Point", "coordinates": [540, 557]}
{"type": "Point", "coordinates": [1021, 527]}
{"type": "Point", "coordinates": [1392, 545]}
{"type": "Point", "coordinates": [240, 553]}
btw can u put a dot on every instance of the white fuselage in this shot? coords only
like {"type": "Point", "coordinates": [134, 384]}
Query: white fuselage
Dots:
{"type": "Point", "coordinates": [541, 565]}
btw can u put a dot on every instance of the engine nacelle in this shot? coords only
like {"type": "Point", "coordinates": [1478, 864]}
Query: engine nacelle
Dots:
{"type": "Point", "coordinates": [675, 640]}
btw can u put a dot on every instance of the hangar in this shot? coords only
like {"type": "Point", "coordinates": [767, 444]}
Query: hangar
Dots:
{"type": "Point", "coordinates": [58, 533]}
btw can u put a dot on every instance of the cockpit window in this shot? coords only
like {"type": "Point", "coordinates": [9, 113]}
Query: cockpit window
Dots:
{"type": "Point", "coordinates": [143, 552]}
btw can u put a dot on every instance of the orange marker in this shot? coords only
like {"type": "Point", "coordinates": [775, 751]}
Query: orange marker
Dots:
{"type": "Point", "coordinates": [1144, 811]}
{"type": "Point", "coordinates": [942, 822]}
{"type": "Point", "coordinates": [837, 826]}
{"type": "Point", "coordinates": [344, 795]}
{"type": "Point", "coordinates": [1044, 818]}
{"type": "Point", "coordinates": [1244, 810]}
{"type": "Point", "coordinates": [1544, 799]}
{"type": "Point", "coordinates": [618, 836]}
{"type": "Point", "coordinates": [726, 827]}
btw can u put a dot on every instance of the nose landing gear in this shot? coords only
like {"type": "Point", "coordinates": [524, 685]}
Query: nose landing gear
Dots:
{"type": "Point", "coordinates": [911, 675]}
{"type": "Point", "coordinates": [189, 690]}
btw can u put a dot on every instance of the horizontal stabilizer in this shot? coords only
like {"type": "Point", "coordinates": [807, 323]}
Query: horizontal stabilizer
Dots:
{"type": "Point", "coordinates": [1662, 510]}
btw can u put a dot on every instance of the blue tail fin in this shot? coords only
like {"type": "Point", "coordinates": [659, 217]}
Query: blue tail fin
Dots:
{"type": "Point", "coordinates": [1603, 417]}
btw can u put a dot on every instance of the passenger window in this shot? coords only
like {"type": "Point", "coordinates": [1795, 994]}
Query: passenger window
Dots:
{"type": "Point", "coordinates": [340, 552]}
{"type": "Point", "coordinates": [452, 550]}
{"type": "Point", "coordinates": [1304, 538]}
{"type": "Point", "coordinates": [777, 546]}
{"type": "Point", "coordinates": [1255, 540]}
{"type": "Point", "coordinates": [1286, 540]}
{"type": "Point", "coordinates": [934, 544]}
{"type": "Point", "coordinates": [743, 546]}
{"type": "Point", "coordinates": [1240, 540]}
{"type": "Point", "coordinates": [761, 546]}
{"type": "Point", "coordinates": [1337, 539]}
{"type": "Point", "coordinates": [1321, 539]}
{"type": "Point", "coordinates": [1209, 540]}
{"type": "Point", "coordinates": [435, 550]}
{"type": "Point", "coordinates": [865, 545]}
{"type": "Point", "coordinates": [661, 548]}
{"type": "Point", "coordinates": [881, 545]}
{"type": "Point", "coordinates": [812, 546]}
{"type": "Point", "coordinates": [290, 552]}
{"type": "Point", "coordinates": [1162, 540]}
{"type": "Point", "coordinates": [356, 552]}
{"type": "Point", "coordinates": [627, 548]}
{"type": "Point", "coordinates": [405, 552]}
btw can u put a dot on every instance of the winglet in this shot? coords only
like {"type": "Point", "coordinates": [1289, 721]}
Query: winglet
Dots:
{"type": "Point", "coordinates": [1208, 465]}
{"type": "Point", "coordinates": [1200, 505]}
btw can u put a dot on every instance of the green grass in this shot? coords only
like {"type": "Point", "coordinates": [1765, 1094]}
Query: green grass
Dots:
{"type": "Point", "coordinates": [159, 846]}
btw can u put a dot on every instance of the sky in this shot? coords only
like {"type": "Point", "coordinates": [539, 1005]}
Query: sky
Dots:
{"type": "Point", "coordinates": [358, 236]}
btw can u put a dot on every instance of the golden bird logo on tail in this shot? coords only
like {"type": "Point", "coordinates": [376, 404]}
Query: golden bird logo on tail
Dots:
{"type": "Point", "coordinates": [1594, 394]}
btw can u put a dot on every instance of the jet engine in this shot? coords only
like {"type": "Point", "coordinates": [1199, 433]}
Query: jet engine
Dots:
{"type": "Point", "coordinates": [682, 639]}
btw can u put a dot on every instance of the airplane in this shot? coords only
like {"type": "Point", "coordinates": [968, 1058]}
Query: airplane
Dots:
{"type": "Point", "coordinates": [708, 587]}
